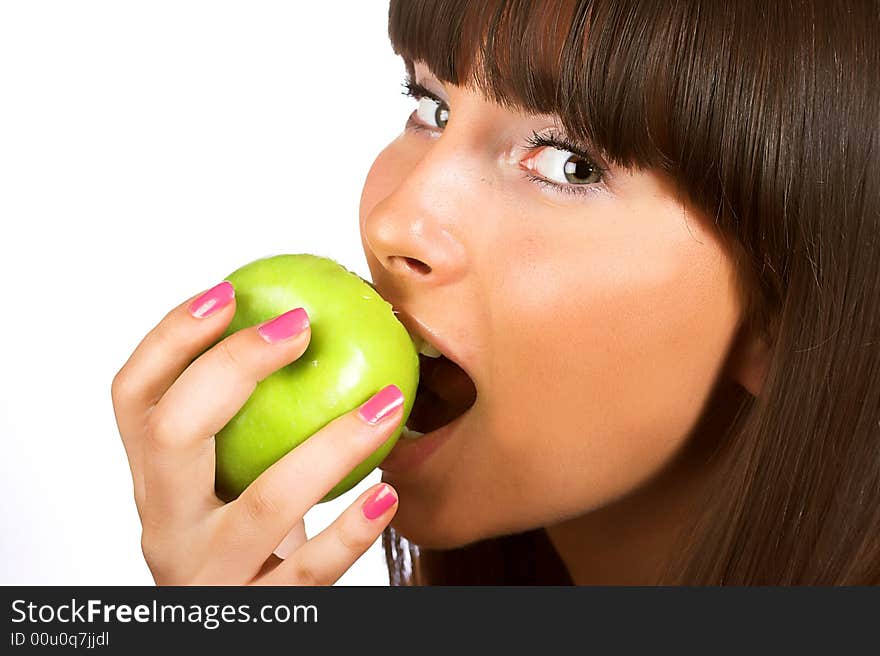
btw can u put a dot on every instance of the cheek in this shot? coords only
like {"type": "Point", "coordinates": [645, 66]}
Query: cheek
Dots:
{"type": "Point", "coordinates": [613, 346]}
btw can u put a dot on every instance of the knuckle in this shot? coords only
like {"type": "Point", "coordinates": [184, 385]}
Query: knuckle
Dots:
{"type": "Point", "coordinates": [122, 388]}
{"type": "Point", "coordinates": [163, 553]}
{"type": "Point", "coordinates": [170, 334]}
{"type": "Point", "coordinates": [160, 432]}
{"type": "Point", "coordinates": [147, 547]}
{"type": "Point", "coordinates": [154, 555]}
{"type": "Point", "coordinates": [352, 538]}
{"type": "Point", "coordinates": [259, 503]}
{"type": "Point", "coordinates": [163, 568]}
{"type": "Point", "coordinates": [355, 438]}
{"type": "Point", "coordinates": [230, 355]}
{"type": "Point", "coordinates": [301, 574]}
{"type": "Point", "coordinates": [165, 333]}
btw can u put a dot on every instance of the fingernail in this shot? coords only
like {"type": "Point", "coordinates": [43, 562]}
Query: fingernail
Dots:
{"type": "Point", "coordinates": [291, 542]}
{"type": "Point", "coordinates": [381, 404]}
{"type": "Point", "coordinates": [284, 326]}
{"type": "Point", "coordinates": [378, 502]}
{"type": "Point", "coordinates": [213, 300]}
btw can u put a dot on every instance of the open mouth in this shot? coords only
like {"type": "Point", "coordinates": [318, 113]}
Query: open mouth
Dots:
{"type": "Point", "coordinates": [445, 392]}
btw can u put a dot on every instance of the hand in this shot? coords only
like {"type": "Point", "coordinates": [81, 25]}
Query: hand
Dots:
{"type": "Point", "coordinates": [170, 403]}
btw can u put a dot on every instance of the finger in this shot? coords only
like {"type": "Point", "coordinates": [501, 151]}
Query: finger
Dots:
{"type": "Point", "coordinates": [292, 541]}
{"type": "Point", "coordinates": [179, 469]}
{"type": "Point", "coordinates": [158, 360]}
{"type": "Point", "coordinates": [327, 556]}
{"type": "Point", "coordinates": [271, 563]}
{"type": "Point", "coordinates": [262, 515]}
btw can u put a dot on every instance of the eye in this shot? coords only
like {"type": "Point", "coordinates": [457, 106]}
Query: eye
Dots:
{"type": "Point", "coordinates": [433, 113]}
{"type": "Point", "coordinates": [564, 167]}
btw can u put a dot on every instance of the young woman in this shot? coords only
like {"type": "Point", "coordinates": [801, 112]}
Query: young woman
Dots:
{"type": "Point", "coordinates": [644, 238]}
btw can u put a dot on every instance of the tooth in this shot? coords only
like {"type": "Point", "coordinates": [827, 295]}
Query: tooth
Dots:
{"type": "Point", "coordinates": [410, 434]}
{"type": "Point", "coordinates": [428, 350]}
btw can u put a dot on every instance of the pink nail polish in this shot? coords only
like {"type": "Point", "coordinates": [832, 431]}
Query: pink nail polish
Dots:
{"type": "Point", "coordinates": [212, 301]}
{"type": "Point", "coordinates": [284, 326]}
{"type": "Point", "coordinates": [378, 502]}
{"type": "Point", "coordinates": [381, 404]}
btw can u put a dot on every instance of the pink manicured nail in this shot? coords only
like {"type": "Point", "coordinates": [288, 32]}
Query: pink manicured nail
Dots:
{"type": "Point", "coordinates": [378, 502]}
{"type": "Point", "coordinates": [284, 326]}
{"type": "Point", "coordinates": [213, 300]}
{"type": "Point", "coordinates": [381, 404]}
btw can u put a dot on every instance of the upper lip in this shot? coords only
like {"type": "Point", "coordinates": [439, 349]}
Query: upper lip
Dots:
{"type": "Point", "coordinates": [416, 327]}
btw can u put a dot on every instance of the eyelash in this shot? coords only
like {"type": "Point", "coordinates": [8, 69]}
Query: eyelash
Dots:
{"type": "Point", "coordinates": [550, 140]}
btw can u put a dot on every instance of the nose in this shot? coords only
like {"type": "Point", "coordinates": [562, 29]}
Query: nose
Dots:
{"type": "Point", "coordinates": [414, 232]}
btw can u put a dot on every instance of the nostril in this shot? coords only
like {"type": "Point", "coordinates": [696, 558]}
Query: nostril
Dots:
{"type": "Point", "coordinates": [417, 265]}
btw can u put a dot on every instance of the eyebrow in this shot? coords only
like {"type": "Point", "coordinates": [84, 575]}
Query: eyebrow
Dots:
{"type": "Point", "coordinates": [414, 88]}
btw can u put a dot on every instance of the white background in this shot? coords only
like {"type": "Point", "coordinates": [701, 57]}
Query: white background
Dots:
{"type": "Point", "coordinates": [146, 150]}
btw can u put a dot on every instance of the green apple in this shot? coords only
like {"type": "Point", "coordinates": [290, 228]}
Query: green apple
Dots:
{"type": "Point", "coordinates": [357, 347]}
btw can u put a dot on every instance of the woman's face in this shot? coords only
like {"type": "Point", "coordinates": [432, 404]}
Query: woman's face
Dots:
{"type": "Point", "coordinates": [593, 324]}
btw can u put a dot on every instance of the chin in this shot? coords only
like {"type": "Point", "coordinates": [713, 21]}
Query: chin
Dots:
{"type": "Point", "coordinates": [431, 529]}
{"type": "Point", "coordinates": [429, 534]}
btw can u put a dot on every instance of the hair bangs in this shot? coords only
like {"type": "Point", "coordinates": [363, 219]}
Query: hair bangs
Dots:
{"type": "Point", "coordinates": [599, 67]}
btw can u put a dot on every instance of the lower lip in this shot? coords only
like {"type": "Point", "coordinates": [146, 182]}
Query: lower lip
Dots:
{"type": "Point", "coordinates": [409, 453]}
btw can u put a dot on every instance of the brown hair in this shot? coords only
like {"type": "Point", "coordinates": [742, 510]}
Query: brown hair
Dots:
{"type": "Point", "coordinates": [765, 116]}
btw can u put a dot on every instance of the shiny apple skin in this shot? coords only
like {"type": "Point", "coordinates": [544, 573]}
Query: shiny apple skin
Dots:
{"type": "Point", "coordinates": [357, 347]}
